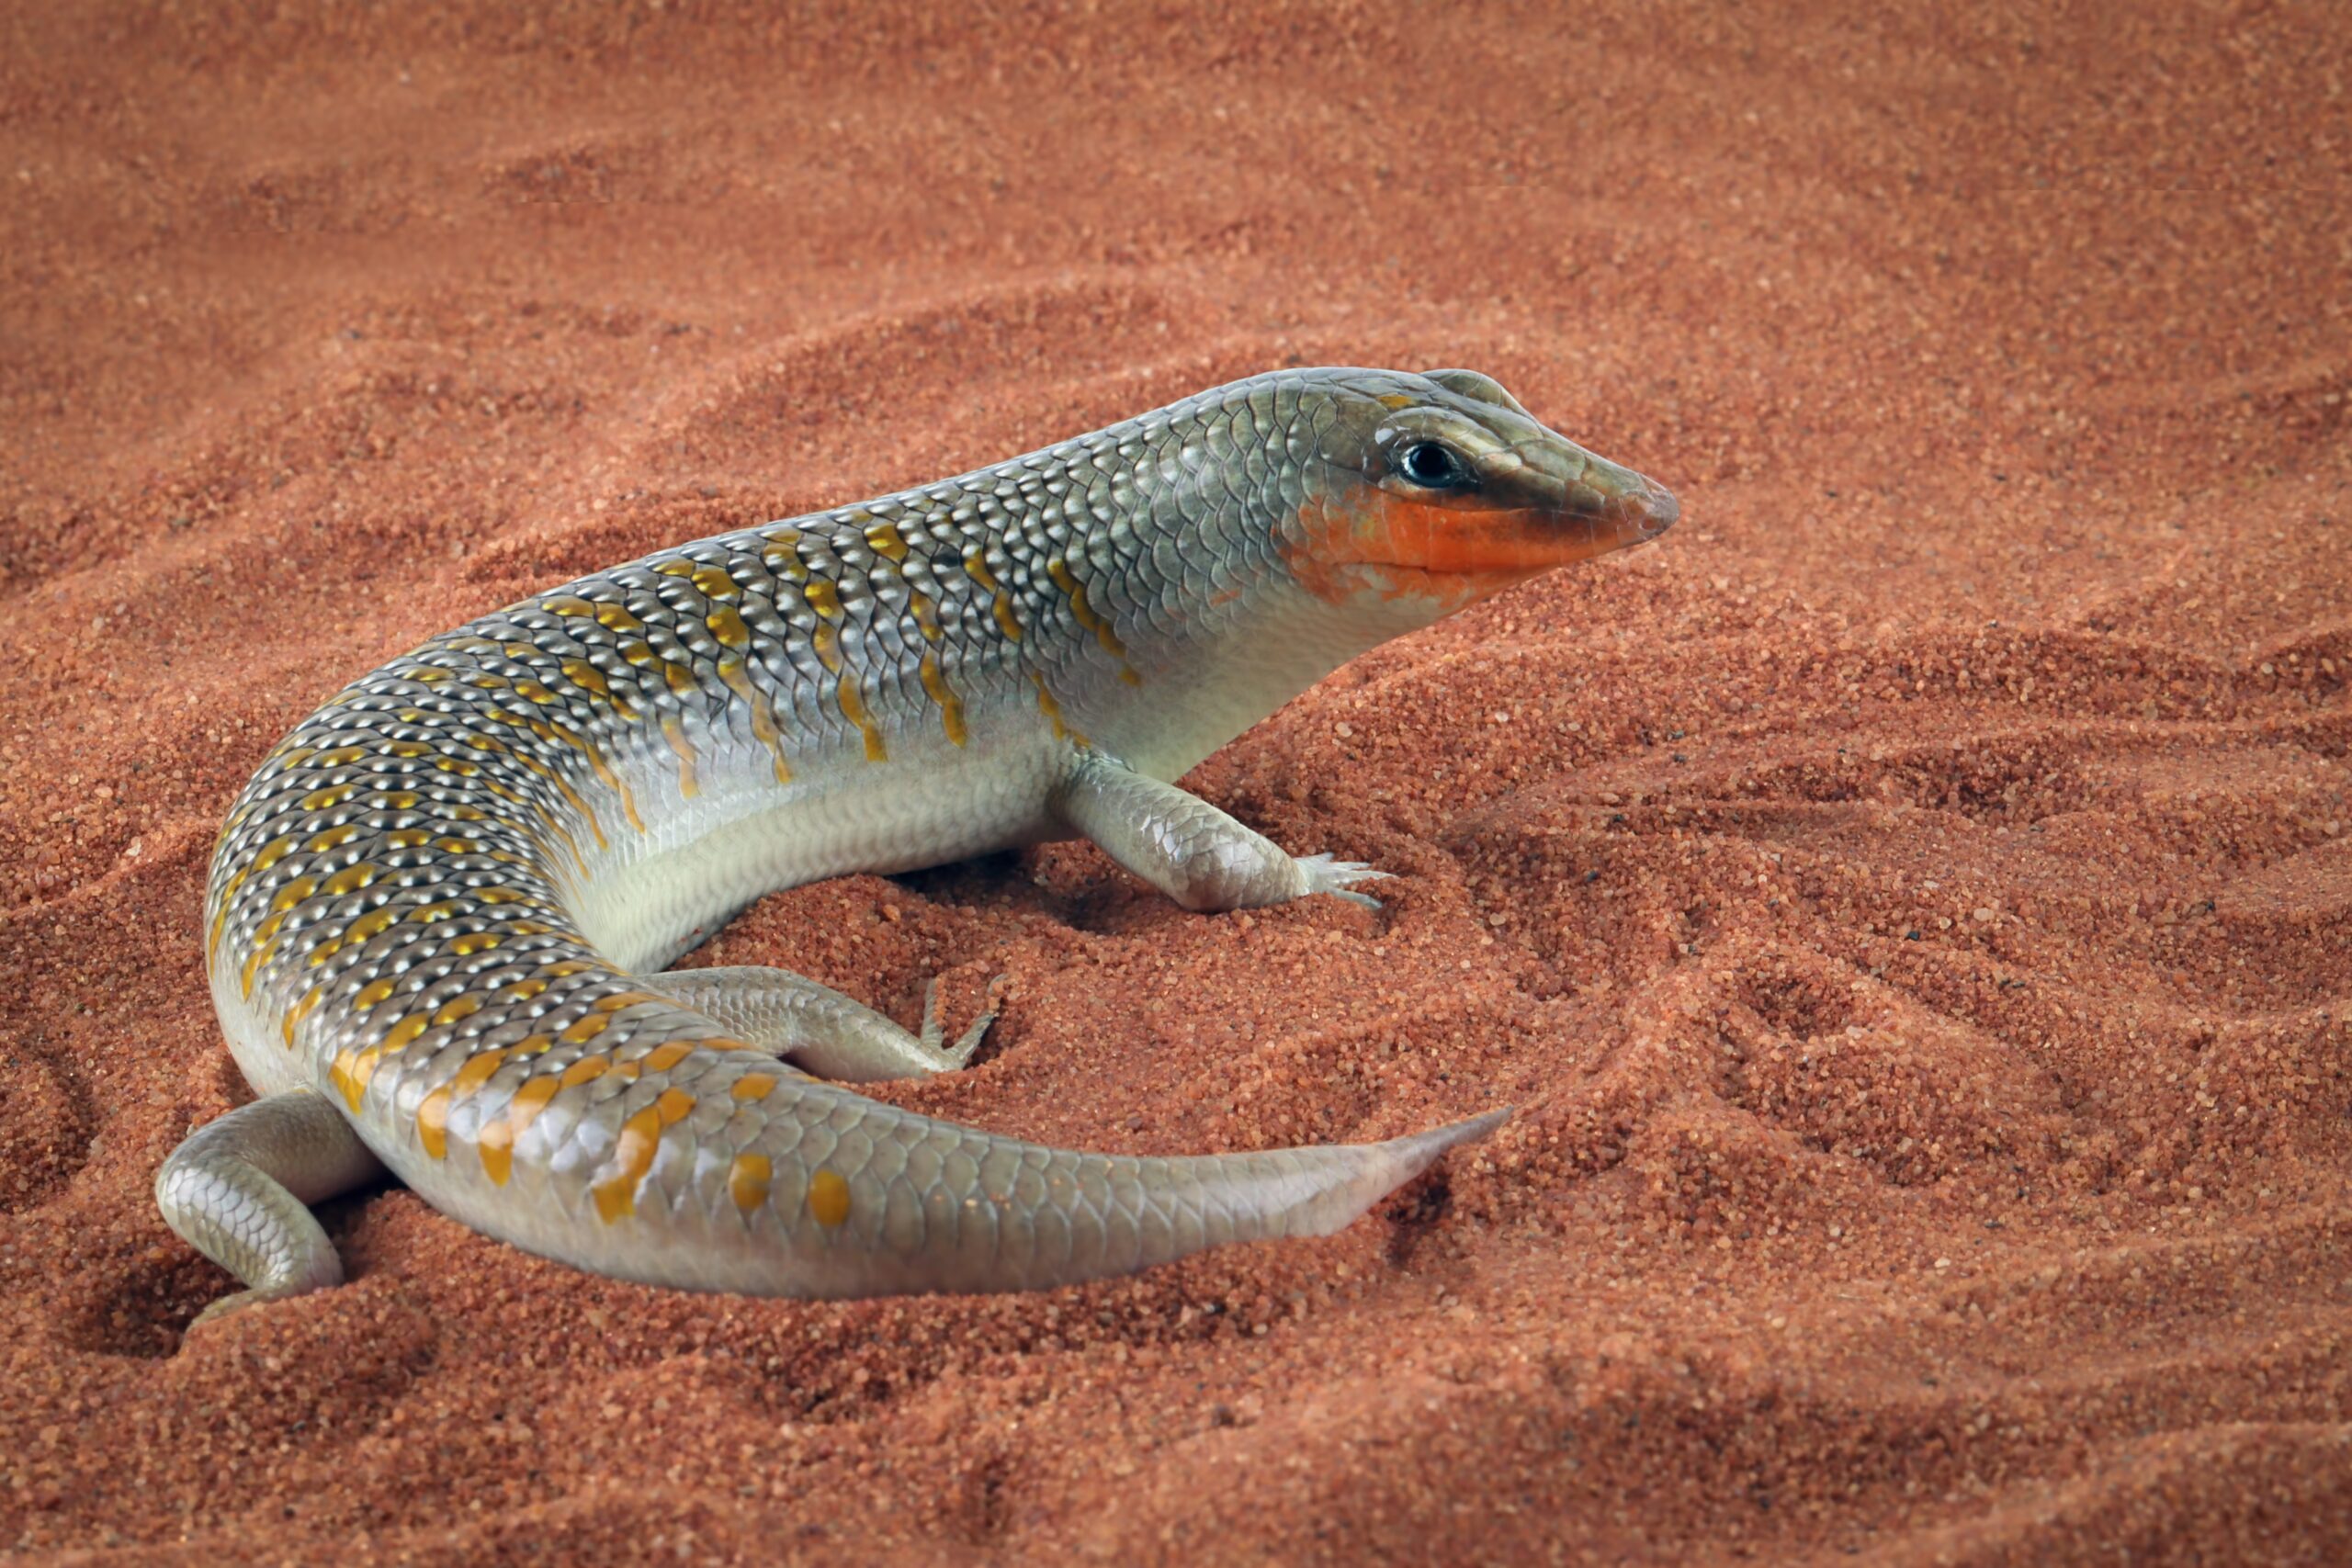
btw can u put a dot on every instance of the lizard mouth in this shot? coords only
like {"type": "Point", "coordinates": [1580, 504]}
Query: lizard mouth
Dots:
{"type": "Point", "coordinates": [1396, 546]}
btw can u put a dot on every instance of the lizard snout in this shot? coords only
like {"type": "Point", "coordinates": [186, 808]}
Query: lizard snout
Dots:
{"type": "Point", "coordinates": [1634, 507]}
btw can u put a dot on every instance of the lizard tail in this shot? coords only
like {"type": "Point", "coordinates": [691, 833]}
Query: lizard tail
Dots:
{"type": "Point", "coordinates": [1120, 1213]}
{"type": "Point", "coordinates": [1032, 1217]}
{"type": "Point", "coordinates": [851, 1197]}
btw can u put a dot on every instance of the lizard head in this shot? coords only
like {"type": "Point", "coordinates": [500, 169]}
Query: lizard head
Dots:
{"type": "Point", "coordinates": [1445, 490]}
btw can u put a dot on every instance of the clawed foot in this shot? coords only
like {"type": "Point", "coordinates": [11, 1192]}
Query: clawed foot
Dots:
{"type": "Point", "coordinates": [935, 1026]}
{"type": "Point", "coordinates": [1325, 874]}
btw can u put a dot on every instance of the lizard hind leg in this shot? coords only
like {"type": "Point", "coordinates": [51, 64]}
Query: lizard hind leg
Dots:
{"type": "Point", "coordinates": [818, 1029]}
{"type": "Point", "coordinates": [238, 1189]}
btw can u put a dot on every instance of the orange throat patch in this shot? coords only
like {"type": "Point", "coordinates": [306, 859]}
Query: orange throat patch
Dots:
{"type": "Point", "coordinates": [1392, 547]}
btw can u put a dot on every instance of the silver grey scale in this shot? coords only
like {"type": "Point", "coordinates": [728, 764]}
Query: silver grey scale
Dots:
{"type": "Point", "coordinates": [440, 917]}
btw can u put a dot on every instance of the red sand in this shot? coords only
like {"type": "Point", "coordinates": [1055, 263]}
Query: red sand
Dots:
{"type": "Point", "coordinates": [1909, 904]}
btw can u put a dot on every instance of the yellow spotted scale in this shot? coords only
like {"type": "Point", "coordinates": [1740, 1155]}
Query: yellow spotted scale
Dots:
{"type": "Point", "coordinates": [440, 917]}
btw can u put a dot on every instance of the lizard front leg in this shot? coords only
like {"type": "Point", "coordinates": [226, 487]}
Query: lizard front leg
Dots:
{"type": "Point", "coordinates": [1187, 847]}
{"type": "Point", "coordinates": [240, 1190]}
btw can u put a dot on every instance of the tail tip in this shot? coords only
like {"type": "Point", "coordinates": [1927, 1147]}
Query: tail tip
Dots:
{"type": "Point", "coordinates": [1427, 1146]}
{"type": "Point", "coordinates": [1472, 1129]}
{"type": "Point", "coordinates": [1356, 1176]}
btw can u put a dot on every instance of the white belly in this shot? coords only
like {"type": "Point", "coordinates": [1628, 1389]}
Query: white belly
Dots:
{"type": "Point", "coordinates": [654, 896]}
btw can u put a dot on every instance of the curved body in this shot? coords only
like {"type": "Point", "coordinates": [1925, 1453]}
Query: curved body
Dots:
{"type": "Point", "coordinates": [437, 915]}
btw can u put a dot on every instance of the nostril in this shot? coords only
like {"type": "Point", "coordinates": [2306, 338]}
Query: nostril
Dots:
{"type": "Point", "coordinates": [1664, 510]}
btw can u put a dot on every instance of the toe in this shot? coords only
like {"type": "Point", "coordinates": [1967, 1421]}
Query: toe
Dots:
{"type": "Point", "coordinates": [1325, 874]}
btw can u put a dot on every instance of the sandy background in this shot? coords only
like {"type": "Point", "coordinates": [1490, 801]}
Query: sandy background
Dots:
{"type": "Point", "coordinates": [1910, 903]}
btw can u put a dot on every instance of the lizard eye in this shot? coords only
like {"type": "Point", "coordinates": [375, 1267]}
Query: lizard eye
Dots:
{"type": "Point", "coordinates": [1432, 466]}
